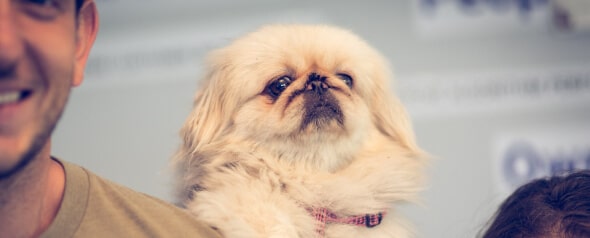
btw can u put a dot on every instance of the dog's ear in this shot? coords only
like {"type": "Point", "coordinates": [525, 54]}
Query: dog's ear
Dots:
{"type": "Point", "coordinates": [389, 114]}
{"type": "Point", "coordinates": [204, 125]}
{"type": "Point", "coordinates": [210, 114]}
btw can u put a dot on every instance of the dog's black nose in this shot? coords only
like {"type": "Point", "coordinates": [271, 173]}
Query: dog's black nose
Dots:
{"type": "Point", "coordinates": [317, 87]}
{"type": "Point", "coordinates": [316, 83]}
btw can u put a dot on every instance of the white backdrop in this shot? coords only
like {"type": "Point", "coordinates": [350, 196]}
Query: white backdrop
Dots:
{"type": "Point", "coordinates": [475, 92]}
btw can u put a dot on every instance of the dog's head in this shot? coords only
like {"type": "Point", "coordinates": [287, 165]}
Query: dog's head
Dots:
{"type": "Point", "coordinates": [306, 94]}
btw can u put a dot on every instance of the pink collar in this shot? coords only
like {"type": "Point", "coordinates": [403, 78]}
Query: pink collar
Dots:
{"type": "Point", "coordinates": [325, 216]}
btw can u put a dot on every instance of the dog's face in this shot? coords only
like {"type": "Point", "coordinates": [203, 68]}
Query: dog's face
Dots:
{"type": "Point", "coordinates": [314, 94]}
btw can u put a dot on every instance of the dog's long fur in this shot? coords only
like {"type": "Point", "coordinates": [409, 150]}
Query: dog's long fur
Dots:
{"type": "Point", "coordinates": [252, 165]}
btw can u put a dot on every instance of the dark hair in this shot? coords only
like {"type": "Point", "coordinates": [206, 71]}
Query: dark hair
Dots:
{"type": "Point", "coordinates": [79, 5]}
{"type": "Point", "coordinates": [557, 206]}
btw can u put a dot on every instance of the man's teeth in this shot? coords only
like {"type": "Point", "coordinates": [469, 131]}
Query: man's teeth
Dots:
{"type": "Point", "coordinates": [9, 97]}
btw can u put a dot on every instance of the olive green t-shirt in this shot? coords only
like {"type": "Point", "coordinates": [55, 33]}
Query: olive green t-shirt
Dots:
{"type": "Point", "coordinates": [95, 207]}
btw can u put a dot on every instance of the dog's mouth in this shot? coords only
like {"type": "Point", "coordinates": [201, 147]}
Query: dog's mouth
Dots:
{"type": "Point", "coordinates": [321, 111]}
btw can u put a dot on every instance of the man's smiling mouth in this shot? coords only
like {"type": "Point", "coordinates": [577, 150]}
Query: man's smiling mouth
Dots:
{"type": "Point", "coordinates": [13, 96]}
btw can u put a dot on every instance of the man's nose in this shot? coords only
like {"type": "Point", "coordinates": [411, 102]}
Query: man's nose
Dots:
{"type": "Point", "coordinates": [10, 40]}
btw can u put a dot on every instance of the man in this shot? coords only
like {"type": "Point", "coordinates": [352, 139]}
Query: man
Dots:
{"type": "Point", "coordinates": [44, 45]}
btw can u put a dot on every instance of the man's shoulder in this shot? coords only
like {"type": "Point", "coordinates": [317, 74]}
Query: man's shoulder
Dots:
{"type": "Point", "coordinates": [115, 210]}
{"type": "Point", "coordinates": [121, 204]}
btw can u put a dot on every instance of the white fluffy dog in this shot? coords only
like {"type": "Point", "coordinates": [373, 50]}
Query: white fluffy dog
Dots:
{"type": "Point", "coordinates": [295, 134]}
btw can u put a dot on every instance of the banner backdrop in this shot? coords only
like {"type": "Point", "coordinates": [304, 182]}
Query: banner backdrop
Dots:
{"type": "Point", "coordinates": [498, 91]}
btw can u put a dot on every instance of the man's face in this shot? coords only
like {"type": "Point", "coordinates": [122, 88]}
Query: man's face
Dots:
{"type": "Point", "coordinates": [38, 49]}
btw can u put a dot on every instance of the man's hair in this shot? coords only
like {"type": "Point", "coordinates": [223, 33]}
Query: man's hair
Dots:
{"type": "Point", "coordinates": [79, 5]}
{"type": "Point", "coordinates": [557, 206]}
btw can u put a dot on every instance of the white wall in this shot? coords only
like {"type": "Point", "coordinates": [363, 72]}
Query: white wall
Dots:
{"type": "Point", "coordinates": [463, 88]}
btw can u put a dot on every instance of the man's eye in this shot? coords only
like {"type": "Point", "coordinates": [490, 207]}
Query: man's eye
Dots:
{"type": "Point", "coordinates": [42, 9]}
{"type": "Point", "coordinates": [40, 2]}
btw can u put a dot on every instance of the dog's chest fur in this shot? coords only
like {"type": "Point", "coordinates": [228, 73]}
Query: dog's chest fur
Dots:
{"type": "Point", "coordinates": [253, 187]}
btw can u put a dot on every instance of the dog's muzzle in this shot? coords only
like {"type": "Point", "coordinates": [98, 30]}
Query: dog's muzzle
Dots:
{"type": "Point", "coordinates": [320, 105]}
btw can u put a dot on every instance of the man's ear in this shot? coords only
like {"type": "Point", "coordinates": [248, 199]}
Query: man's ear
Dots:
{"type": "Point", "coordinates": [87, 27]}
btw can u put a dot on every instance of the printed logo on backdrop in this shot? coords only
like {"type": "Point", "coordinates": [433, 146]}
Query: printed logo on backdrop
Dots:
{"type": "Point", "coordinates": [520, 158]}
{"type": "Point", "coordinates": [439, 95]}
{"type": "Point", "coordinates": [448, 18]}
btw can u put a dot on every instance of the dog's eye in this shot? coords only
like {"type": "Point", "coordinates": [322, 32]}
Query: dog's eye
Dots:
{"type": "Point", "coordinates": [346, 78]}
{"type": "Point", "coordinates": [278, 86]}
